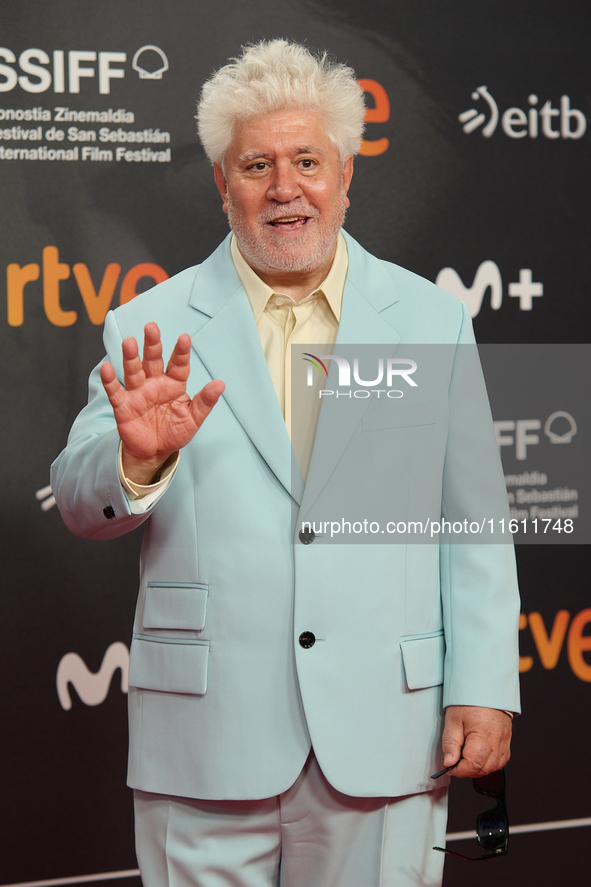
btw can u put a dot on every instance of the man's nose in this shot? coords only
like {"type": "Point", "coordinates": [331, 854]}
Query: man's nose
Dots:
{"type": "Point", "coordinates": [284, 185]}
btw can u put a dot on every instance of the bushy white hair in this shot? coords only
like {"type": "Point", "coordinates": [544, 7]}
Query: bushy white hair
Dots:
{"type": "Point", "coordinates": [275, 75]}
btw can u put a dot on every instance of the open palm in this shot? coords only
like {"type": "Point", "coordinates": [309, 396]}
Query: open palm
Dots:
{"type": "Point", "coordinates": [155, 416]}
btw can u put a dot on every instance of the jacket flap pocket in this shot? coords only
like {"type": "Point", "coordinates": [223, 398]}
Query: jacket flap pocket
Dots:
{"type": "Point", "coordinates": [169, 666]}
{"type": "Point", "coordinates": [175, 605]}
{"type": "Point", "coordinates": [423, 660]}
{"type": "Point", "coordinates": [400, 415]}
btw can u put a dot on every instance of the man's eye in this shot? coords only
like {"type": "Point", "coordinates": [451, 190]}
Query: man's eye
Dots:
{"type": "Point", "coordinates": [308, 163]}
{"type": "Point", "coordinates": [259, 166]}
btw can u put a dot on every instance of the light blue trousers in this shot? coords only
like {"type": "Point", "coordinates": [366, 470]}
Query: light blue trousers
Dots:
{"type": "Point", "coordinates": [309, 836]}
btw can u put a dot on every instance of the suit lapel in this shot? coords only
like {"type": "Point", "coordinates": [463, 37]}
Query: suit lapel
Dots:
{"type": "Point", "coordinates": [228, 344]}
{"type": "Point", "coordinates": [368, 291]}
{"type": "Point", "coordinates": [226, 339]}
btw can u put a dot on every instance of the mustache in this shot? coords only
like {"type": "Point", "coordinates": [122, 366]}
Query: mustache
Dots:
{"type": "Point", "coordinates": [273, 214]}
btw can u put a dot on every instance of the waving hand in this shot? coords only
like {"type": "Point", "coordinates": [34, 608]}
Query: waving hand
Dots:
{"type": "Point", "coordinates": [155, 416]}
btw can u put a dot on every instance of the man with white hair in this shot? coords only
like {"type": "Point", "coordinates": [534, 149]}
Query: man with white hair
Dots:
{"type": "Point", "coordinates": [289, 699]}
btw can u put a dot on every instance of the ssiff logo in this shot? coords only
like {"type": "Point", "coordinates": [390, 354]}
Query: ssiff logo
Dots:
{"type": "Point", "coordinates": [552, 123]}
{"type": "Point", "coordinates": [560, 428]}
{"type": "Point", "coordinates": [394, 367]}
{"type": "Point", "coordinates": [39, 72]}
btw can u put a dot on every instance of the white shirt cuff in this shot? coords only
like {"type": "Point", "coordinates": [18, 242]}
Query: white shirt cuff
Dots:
{"type": "Point", "coordinates": [142, 496]}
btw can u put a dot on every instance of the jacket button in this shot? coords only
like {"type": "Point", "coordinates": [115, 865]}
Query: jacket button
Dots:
{"type": "Point", "coordinates": [109, 512]}
{"type": "Point", "coordinates": [307, 535]}
{"type": "Point", "coordinates": [307, 640]}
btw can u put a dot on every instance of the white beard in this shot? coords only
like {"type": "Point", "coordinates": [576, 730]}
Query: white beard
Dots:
{"type": "Point", "coordinates": [275, 254]}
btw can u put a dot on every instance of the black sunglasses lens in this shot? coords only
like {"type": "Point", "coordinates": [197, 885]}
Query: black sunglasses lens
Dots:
{"type": "Point", "coordinates": [492, 784]}
{"type": "Point", "coordinates": [492, 826]}
{"type": "Point", "coordinates": [491, 831]}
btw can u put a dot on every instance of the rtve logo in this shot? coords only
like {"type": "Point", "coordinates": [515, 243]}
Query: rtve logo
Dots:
{"type": "Point", "coordinates": [96, 300]}
{"type": "Point", "coordinates": [539, 119]}
{"type": "Point", "coordinates": [549, 644]}
{"type": "Point", "coordinates": [39, 72]}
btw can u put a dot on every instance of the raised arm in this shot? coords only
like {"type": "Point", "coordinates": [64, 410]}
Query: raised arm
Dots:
{"type": "Point", "coordinates": [151, 414]}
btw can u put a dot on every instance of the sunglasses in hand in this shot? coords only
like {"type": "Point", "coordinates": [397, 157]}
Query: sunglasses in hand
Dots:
{"type": "Point", "coordinates": [492, 826]}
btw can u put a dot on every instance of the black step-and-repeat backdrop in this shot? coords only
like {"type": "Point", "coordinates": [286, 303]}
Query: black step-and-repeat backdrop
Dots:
{"type": "Point", "coordinates": [474, 173]}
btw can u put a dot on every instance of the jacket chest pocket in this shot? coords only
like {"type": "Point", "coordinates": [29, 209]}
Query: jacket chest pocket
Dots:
{"type": "Point", "coordinates": [175, 605]}
{"type": "Point", "coordinates": [397, 415]}
{"type": "Point", "coordinates": [423, 660]}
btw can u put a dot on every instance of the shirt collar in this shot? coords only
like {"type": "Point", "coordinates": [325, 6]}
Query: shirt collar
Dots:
{"type": "Point", "coordinates": [259, 293]}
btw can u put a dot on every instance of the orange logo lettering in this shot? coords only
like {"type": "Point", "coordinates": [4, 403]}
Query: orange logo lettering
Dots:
{"type": "Point", "coordinates": [52, 272]}
{"type": "Point", "coordinates": [549, 645]}
{"type": "Point", "coordinates": [380, 113]}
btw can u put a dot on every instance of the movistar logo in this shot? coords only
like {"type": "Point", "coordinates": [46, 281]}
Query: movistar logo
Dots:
{"type": "Point", "coordinates": [488, 277]}
{"type": "Point", "coordinates": [91, 687]}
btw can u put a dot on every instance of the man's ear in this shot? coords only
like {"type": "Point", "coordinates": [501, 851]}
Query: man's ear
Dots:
{"type": "Point", "coordinates": [220, 181]}
{"type": "Point", "coordinates": [347, 176]}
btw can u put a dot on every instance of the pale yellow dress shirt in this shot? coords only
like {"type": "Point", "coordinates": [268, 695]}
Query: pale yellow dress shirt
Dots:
{"type": "Point", "coordinates": [282, 322]}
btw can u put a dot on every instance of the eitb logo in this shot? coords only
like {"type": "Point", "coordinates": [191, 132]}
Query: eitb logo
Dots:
{"type": "Point", "coordinates": [541, 118]}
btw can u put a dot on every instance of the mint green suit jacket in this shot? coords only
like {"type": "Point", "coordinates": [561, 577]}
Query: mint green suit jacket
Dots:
{"type": "Point", "coordinates": [223, 700]}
